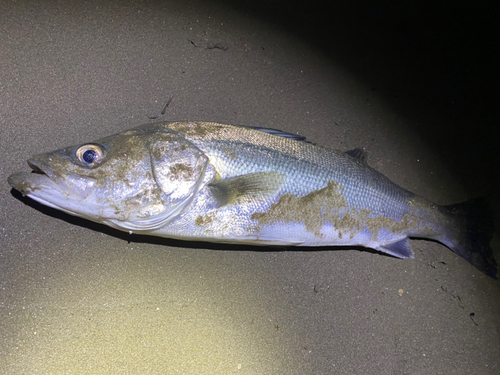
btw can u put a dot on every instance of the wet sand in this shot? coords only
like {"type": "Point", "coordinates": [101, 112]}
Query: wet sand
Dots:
{"type": "Point", "coordinates": [81, 298]}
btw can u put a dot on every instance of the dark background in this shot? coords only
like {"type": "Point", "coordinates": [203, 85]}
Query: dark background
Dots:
{"type": "Point", "coordinates": [430, 60]}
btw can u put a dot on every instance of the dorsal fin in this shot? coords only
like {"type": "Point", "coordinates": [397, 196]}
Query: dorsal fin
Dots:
{"type": "Point", "coordinates": [357, 153]}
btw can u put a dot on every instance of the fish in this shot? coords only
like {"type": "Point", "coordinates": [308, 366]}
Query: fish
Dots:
{"type": "Point", "coordinates": [205, 181]}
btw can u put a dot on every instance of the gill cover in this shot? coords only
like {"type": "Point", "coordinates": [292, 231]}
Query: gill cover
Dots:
{"type": "Point", "coordinates": [178, 168]}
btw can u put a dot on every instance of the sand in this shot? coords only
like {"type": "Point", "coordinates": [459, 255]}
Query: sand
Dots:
{"type": "Point", "coordinates": [415, 87]}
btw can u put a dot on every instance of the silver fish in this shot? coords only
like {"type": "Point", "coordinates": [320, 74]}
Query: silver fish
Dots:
{"type": "Point", "coordinates": [222, 183]}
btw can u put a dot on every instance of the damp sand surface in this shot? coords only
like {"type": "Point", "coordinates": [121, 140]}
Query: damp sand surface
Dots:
{"type": "Point", "coordinates": [81, 298]}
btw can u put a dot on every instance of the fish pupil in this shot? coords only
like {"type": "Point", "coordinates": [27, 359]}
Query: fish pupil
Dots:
{"type": "Point", "coordinates": [89, 156]}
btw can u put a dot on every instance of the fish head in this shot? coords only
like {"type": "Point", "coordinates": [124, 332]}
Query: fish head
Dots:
{"type": "Point", "coordinates": [138, 180]}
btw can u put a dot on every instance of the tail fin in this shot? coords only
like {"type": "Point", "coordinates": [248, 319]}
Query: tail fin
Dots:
{"type": "Point", "coordinates": [476, 228]}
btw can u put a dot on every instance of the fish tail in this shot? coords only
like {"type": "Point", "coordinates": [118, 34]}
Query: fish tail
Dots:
{"type": "Point", "coordinates": [474, 228]}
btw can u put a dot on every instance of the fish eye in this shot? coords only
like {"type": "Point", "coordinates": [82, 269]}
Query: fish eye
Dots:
{"type": "Point", "coordinates": [90, 155]}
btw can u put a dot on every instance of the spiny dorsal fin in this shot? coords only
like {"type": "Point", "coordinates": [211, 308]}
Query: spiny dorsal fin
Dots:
{"type": "Point", "coordinates": [279, 133]}
{"type": "Point", "coordinates": [357, 153]}
{"type": "Point", "coordinates": [241, 189]}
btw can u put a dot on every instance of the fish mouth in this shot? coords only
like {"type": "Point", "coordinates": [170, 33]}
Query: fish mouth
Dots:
{"type": "Point", "coordinates": [36, 167]}
{"type": "Point", "coordinates": [39, 167]}
{"type": "Point", "coordinates": [29, 182]}
{"type": "Point", "coordinates": [41, 175]}
{"type": "Point", "coordinates": [46, 185]}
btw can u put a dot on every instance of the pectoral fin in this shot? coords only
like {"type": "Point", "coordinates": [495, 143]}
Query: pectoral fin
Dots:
{"type": "Point", "coordinates": [241, 189]}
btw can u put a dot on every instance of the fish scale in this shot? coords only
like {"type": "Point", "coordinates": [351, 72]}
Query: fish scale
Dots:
{"type": "Point", "coordinates": [314, 165]}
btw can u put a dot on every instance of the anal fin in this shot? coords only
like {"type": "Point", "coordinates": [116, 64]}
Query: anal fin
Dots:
{"type": "Point", "coordinates": [399, 249]}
